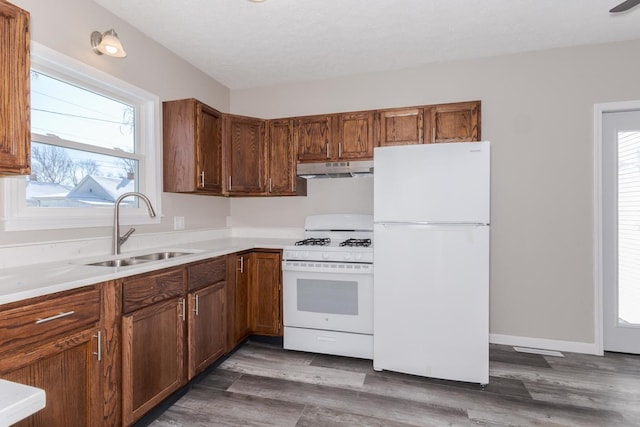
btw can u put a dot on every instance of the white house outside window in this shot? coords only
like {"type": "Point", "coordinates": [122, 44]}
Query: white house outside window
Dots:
{"type": "Point", "coordinates": [94, 137]}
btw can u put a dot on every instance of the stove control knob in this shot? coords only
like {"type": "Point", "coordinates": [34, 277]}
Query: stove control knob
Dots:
{"type": "Point", "coordinates": [305, 254]}
{"type": "Point", "coordinates": [325, 255]}
{"type": "Point", "coordinates": [347, 256]}
{"type": "Point", "coordinates": [358, 256]}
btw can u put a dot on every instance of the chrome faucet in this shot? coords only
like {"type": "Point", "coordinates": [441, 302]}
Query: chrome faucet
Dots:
{"type": "Point", "coordinates": [117, 239]}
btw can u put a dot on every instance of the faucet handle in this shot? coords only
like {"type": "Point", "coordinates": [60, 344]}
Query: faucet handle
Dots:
{"type": "Point", "coordinates": [126, 235]}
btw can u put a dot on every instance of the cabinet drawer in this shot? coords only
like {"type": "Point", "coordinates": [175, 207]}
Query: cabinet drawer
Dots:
{"type": "Point", "coordinates": [147, 289]}
{"type": "Point", "coordinates": [207, 273]}
{"type": "Point", "coordinates": [50, 319]}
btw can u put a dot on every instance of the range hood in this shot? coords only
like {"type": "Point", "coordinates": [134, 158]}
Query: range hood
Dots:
{"type": "Point", "coordinates": [335, 169]}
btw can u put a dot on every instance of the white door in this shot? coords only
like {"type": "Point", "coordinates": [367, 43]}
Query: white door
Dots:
{"type": "Point", "coordinates": [431, 300]}
{"type": "Point", "coordinates": [621, 231]}
{"type": "Point", "coordinates": [435, 183]}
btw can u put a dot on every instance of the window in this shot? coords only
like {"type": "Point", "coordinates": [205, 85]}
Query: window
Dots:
{"type": "Point", "coordinates": [94, 138]}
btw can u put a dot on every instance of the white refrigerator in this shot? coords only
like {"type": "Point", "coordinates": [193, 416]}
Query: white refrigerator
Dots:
{"type": "Point", "coordinates": [431, 260]}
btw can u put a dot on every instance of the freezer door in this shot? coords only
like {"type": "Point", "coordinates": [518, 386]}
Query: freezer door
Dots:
{"type": "Point", "coordinates": [432, 183]}
{"type": "Point", "coordinates": [431, 301]}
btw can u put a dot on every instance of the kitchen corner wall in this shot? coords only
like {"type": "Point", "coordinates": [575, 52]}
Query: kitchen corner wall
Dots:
{"type": "Point", "coordinates": [65, 26]}
{"type": "Point", "coordinates": [537, 110]}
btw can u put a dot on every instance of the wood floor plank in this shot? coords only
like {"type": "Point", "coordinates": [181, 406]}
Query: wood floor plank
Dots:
{"type": "Point", "coordinates": [249, 364]}
{"type": "Point", "coordinates": [351, 401]}
{"type": "Point", "coordinates": [264, 385]}
{"type": "Point", "coordinates": [204, 406]}
{"type": "Point", "coordinates": [314, 416]}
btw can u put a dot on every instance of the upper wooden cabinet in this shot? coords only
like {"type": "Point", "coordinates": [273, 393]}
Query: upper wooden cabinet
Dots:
{"type": "Point", "coordinates": [403, 126]}
{"type": "Point", "coordinates": [335, 137]}
{"type": "Point", "coordinates": [192, 147]}
{"type": "Point", "coordinates": [244, 154]}
{"type": "Point", "coordinates": [281, 160]}
{"type": "Point", "coordinates": [457, 122]}
{"type": "Point", "coordinates": [454, 122]}
{"type": "Point", "coordinates": [355, 133]}
{"type": "Point", "coordinates": [315, 138]}
{"type": "Point", "coordinates": [15, 128]}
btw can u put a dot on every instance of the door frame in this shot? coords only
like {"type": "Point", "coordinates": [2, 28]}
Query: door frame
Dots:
{"type": "Point", "coordinates": [598, 238]}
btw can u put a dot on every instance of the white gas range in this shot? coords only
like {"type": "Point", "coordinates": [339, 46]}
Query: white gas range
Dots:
{"type": "Point", "coordinates": [328, 287]}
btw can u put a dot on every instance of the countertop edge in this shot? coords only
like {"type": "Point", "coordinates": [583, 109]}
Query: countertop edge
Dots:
{"type": "Point", "coordinates": [18, 401]}
{"type": "Point", "coordinates": [14, 289]}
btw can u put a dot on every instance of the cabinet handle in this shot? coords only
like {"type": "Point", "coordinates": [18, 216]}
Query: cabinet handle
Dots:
{"type": "Point", "coordinates": [420, 137]}
{"type": "Point", "coordinates": [57, 316]}
{"type": "Point", "coordinates": [202, 179]}
{"type": "Point", "coordinates": [183, 314]}
{"type": "Point", "coordinates": [433, 134]}
{"type": "Point", "coordinates": [195, 310]}
{"type": "Point", "coordinates": [327, 146]}
{"type": "Point", "coordinates": [229, 183]}
{"type": "Point", "coordinates": [270, 186]}
{"type": "Point", "coordinates": [339, 149]}
{"type": "Point", "coordinates": [241, 269]}
{"type": "Point", "coordinates": [99, 348]}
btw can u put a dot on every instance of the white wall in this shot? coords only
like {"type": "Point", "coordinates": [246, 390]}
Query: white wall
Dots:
{"type": "Point", "coordinates": [537, 110]}
{"type": "Point", "coordinates": [65, 26]}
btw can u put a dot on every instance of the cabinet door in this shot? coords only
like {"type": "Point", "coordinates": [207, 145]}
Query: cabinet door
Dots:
{"type": "Point", "coordinates": [282, 157]}
{"type": "Point", "coordinates": [191, 147]}
{"type": "Point", "coordinates": [245, 155]}
{"type": "Point", "coordinates": [457, 122]}
{"type": "Point", "coordinates": [266, 285]}
{"type": "Point", "coordinates": [15, 132]}
{"type": "Point", "coordinates": [152, 356]}
{"type": "Point", "coordinates": [209, 150]}
{"type": "Point", "coordinates": [238, 326]}
{"type": "Point", "coordinates": [207, 326]}
{"type": "Point", "coordinates": [314, 136]}
{"type": "Point", "coordinates": [400, 127]}
{"type": "Point", "coordinates": [69, 372]}
{"type": "Point", "coordinates": [355, 135]}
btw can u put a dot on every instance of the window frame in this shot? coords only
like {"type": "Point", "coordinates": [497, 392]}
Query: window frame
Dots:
{"type": "Point", "coordinates": [17, 216]}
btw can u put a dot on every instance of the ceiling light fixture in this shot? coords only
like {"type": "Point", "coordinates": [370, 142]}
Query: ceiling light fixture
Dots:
{"type": "Point", "coordinates": [107, 43]}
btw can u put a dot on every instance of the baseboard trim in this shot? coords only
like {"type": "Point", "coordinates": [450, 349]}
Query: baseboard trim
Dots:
{"type": "Point", "coordinates": [545, 344]}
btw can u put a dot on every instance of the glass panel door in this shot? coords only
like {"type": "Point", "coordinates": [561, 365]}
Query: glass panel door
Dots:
{"type": "Point", "coordinates": [621, 229]}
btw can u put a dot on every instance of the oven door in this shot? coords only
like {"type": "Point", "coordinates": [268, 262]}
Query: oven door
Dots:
{"type": "Point", "coordinates": [328, 296]}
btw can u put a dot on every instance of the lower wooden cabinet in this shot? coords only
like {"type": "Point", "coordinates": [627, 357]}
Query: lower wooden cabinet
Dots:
{"type": "Point", "coordinates": [207, 326]}
{"type": "Point", "coordinates": [55, 343]}
{"type": "Point", "coordinates": [107, 354]}
{"type": "Point", "coordinates": [69, 373]}
{"type": "Point", "coordinates": [239, 323]}
{"type": "Point", "coordinates": [266, 289]}
{"type": "Point", "coordinates": [152, 356]}
{"type": "Point", "coordinates": [254, 283]}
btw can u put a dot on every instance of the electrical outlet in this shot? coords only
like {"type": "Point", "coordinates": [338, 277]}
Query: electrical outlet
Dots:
{"type": "Point", "coordinates": [178, 223]}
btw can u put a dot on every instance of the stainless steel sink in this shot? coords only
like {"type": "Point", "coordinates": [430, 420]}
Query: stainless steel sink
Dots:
{"type": "Point", "coordinates": [122, 262]}
{"type": "Point", "coordinates": [139, 259]}
{"type": "Point", "coordinates": [160, 255]}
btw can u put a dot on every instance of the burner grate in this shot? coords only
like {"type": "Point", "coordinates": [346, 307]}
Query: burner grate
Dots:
{"type": "Point", "coordinates": [324, 241]}
{"type": "Point", "coordinates": [356, 242]}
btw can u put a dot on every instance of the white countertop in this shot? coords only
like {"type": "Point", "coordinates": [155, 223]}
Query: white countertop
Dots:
{"type": "Point", "coordinates": [20, 283]}
{"type": "Point", "coordinates": [18, 401]}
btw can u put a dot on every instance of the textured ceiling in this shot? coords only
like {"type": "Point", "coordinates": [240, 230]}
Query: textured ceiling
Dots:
{"type": "Point", "coordinates": [243, 44]}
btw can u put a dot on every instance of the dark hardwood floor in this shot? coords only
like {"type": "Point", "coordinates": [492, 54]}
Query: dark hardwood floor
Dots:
{"type": "Point", "coordinates": [264, 385]}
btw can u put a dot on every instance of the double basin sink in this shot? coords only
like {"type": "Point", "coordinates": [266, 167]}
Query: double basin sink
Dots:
{"type": "Point", "coordinates": [139, 259]}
